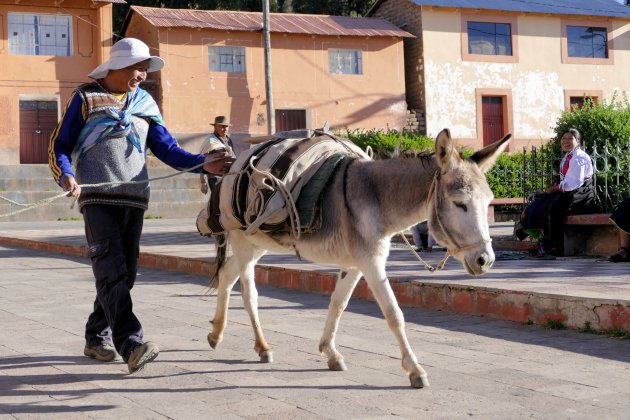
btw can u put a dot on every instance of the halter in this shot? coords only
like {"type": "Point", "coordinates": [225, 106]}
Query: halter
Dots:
{"type": "Point", "coordinates": [456, 248]}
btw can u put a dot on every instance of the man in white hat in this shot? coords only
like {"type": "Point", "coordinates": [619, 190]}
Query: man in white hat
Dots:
{"type": "Point", "coordinates": [102, 138]}
{"type": "Point", "coordinates": [218, 141]}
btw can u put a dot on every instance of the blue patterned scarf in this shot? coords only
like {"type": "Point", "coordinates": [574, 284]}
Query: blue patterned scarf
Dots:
{"type": "Point", "coordinates": [113, 123]}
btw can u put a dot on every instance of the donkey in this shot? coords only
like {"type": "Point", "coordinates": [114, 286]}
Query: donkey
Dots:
{"type": "Point", "coordinates": [365, 203]}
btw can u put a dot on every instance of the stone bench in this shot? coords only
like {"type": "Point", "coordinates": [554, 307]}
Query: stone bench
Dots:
{"type": "Point", "coordinates": [589, 234]}
{"type": "Point", "coordinates": [500, 202]}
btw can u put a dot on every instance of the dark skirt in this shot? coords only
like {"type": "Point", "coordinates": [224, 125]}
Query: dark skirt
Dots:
{"type": "Point", "coordinates": [547, 212]}
{"type": "Point", "coordinates": [621, 215]}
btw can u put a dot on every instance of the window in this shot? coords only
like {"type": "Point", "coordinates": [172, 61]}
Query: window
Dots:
{"type": "Point", "coordinates": [31, 34]}
{"type": "Point", "coordinates": [226, 59]}
{"type": "Point", "coordinates": [489, 38]}
{"type": "Point", "coordinates": [344, 61]}
{"type": "Point", "coordinates": [587, 41]}
{"type": "Point", "coordinates": [577, 98]}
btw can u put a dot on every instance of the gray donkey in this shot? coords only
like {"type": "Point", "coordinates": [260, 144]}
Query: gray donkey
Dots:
{"type": "Point", "coordinates": [365, 203]}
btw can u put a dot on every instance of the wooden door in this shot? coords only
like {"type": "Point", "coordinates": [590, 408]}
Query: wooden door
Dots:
{"type": "Point", "coordinates": [290, 119]}
{"type": "Point", "coordinates": [492, 115]}
{"type": "Point", "coordinates": [38, 120]}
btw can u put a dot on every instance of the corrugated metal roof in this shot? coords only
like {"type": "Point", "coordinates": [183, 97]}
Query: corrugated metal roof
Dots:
{"type": "Point", "coordinates": [608, 8]}
{"type": "Point", "coordinates": [279, 22]}
{"type": "Point", "coordinates": [110, 1]}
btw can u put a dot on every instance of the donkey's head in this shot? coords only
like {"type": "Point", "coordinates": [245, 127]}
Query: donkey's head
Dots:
{"type": "Point", "coordinates": [458, 207]}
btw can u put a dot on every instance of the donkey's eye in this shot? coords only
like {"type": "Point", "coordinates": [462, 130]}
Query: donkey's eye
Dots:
{"type": "Point", "coordinates": [462, 206]}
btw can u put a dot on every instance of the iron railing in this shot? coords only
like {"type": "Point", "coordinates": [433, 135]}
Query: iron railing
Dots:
{"type": "Point", "coordinates": [540, 166]}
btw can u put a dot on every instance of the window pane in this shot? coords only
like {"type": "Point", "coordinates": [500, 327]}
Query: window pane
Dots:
{"type": "Point", "coordinates": [226, 59]}
{"type": "Point", "coordinates": [587, 41]}
{"type": "Point", "coordinates": [345, 61]}
{"type": "Point", "coordinates": [489, 38]}
{"type": "Point", "coordinates": [31, 34]}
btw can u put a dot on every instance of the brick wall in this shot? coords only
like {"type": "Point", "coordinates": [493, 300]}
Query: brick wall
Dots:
{"type": "Point", "coordinates": [408, 17]}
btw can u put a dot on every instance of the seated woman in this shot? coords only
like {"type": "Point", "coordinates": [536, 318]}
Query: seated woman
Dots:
{"type": "Point", "coordinates": [621, 219]}
{"type": "Point", "coordinates": [542, 218]}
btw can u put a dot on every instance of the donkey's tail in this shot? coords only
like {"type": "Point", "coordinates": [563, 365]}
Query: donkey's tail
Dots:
{"type": "Point", "coordinates": [222, 243]}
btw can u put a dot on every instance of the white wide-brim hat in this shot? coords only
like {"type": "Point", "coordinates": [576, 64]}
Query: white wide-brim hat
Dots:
{"type": "Point", "coordinates": [125, 53]}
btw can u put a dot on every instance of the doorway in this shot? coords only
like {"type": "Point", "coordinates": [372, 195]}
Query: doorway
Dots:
{"type": "Point", "coordinates": [492, 110]}
{"type": "Point", "coordinates": [290, 119]}
{"type": "Point", "coordinates": [38, 119]}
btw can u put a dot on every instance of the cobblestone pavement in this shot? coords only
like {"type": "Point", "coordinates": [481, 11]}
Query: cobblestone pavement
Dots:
{"type": "Point", "coordinates": [478, 367]}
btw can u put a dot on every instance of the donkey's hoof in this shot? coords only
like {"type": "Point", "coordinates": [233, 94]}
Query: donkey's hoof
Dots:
{"type": "Point", "coordinates": [266, 356]}
{"type": "Point", "coordinates": [213, 343]}
{"type": "Point", "coordinates": [337, 365]}
{"type": "Point", "coordinates": [419, 381]}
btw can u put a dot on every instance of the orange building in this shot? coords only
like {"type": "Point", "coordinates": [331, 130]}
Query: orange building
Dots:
{"type": "Point", "coordinates": [47, 48]}
{"type": "Point", "coordinates": [347, 71]}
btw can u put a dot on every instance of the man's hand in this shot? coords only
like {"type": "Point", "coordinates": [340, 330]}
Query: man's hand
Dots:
{"type": "Point", "coordinates": [68, 183]}
{"type": "Point", "coordinates": [220, 166]}
{"type": "Point", "coordinates": [552, 189]}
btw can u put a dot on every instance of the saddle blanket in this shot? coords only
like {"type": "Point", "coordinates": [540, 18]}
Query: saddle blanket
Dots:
{"type": "Point", "coordinates": [275, 185]}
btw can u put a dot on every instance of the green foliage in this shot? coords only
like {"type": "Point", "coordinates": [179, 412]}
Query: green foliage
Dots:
{"type": "Point", "coordinates": [151, 217]}
{"type": "Point", "coordinates": [599, 124]}
{"type": "Point", "coordinates": [504, 178]}
{"type": "Point", "coordinates": [603, 127]}
{"type": "Point", "coordinates": [554, 324]}
{"type": "Point", "coordinates": [385, 142]}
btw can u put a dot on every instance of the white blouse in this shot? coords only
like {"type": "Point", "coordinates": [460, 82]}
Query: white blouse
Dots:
{"type": "Point", "coordinates": [580, 170]}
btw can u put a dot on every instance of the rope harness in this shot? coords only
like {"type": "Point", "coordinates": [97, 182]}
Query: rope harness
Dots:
{"type": "Point", "coordinates": [452, 250]}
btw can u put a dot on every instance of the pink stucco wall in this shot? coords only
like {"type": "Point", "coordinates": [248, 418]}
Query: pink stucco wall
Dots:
{"type": "Point", "coordinates": [191, 96]}
{"type": "Point", "coordinates": [48, 78]}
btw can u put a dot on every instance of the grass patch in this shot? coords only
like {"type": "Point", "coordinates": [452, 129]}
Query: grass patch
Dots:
{"type": "Point", "coordinates": [150, 216]}
{"type": "Point", "coordinates": [554, 324]}
{"type": "Point", "coordinates": [68, 219]}
{"type": "Point", "coordinates": [611, 332]}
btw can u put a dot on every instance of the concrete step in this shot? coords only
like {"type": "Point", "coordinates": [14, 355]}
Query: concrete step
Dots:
{"type": "Point", "coordinates": [157, 194]}
{"type": "Point", "coordinates": [60, 210]}
{"type": "Point", "coordinates": [176, 196]}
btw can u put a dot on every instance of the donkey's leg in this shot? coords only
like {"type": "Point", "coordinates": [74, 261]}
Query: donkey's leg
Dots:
{"type": "Point", "coordinates": [228, 275]}
{"type": "Point", "coordinates": [243, 252]}
{"type": "Point", "coordinates": [346, 282]}
{"type": "Point", "coordinates": [379, 284]}
{"type": "Point", "coordinates": [250, 301]}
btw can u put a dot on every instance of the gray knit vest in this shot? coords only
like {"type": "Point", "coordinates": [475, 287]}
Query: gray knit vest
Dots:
{"type": "Point", "coordinates": [112, 158]}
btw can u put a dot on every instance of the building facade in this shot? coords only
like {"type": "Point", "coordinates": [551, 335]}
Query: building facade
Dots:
{"type": "Point", "coordinates": [487, 67]}
{"type": "Point", "coordinates": [341, 70]}
{"type": "Point", "coordinates": [47, 48]}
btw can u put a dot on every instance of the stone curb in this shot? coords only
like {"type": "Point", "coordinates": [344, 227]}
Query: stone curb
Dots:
{"type": "Point", "coordinates": [524, 307]}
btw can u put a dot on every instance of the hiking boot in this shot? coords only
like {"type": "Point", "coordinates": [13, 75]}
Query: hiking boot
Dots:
{"type": "Point", "coordinates": [103, 352]}
{"type": "Point", "coordinates": [141, 355]}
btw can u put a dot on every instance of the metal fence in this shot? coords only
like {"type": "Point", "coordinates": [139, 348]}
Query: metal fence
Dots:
{"type": "Point", "coordinates": [539, 167]}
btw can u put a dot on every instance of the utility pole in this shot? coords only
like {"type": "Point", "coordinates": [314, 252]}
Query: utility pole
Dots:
{"type": "Point", "coordinates": [271, 117]}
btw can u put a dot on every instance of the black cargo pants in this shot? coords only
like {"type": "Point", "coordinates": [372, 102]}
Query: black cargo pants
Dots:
{"type": "Point", "coordinates": [113, 236]}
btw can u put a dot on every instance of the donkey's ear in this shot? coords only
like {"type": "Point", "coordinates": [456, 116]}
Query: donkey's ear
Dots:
{"type": "Point", "coordinates": [445, 151]}
{"type": "Point", "coordinates": [486, 157]}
